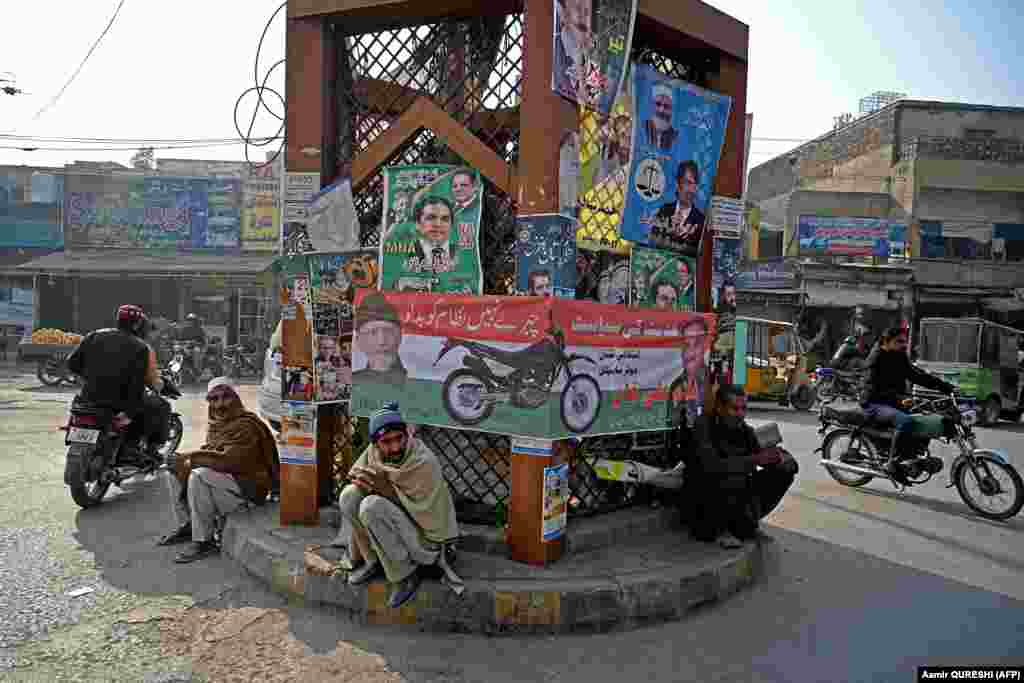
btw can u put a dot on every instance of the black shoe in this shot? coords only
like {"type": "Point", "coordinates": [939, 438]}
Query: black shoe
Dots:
{"type": "Point", "coordinates": [405, 590]}
{"type": "Point", "coordinates": [198, 551]}
{"type": "Point", "coordinates": [181, 535]}
{"type": "Point", "coordinates": [895, 470]}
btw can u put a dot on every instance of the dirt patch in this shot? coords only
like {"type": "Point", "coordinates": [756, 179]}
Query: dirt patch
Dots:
{"type": "Point", "coordinates": [255, 644]}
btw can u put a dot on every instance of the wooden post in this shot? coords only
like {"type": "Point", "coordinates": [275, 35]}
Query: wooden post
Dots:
{"type": "Point", "coordinates": [544, 117]}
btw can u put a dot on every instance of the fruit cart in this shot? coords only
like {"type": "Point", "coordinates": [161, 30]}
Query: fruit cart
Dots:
{"type": "Point", "coordinates": [50, 348]}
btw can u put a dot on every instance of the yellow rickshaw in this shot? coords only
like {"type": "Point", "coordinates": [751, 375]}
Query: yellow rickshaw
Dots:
{"type": "Point", "coordinates": [770, 362]}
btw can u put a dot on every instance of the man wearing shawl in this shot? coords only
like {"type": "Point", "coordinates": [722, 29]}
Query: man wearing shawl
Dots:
{"type": "Point", "coordinates": [238, 464]}
{"type": "Point", "coordinates": [398, 510]}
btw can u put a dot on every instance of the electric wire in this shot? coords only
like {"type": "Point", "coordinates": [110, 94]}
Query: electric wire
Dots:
{"type": "Point", "coordinates": [260, 88]}
{"type": "Point", "coordinates": [81, 64]}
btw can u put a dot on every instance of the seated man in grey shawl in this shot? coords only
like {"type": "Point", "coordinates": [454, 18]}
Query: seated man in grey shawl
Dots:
{"type": "Point", "coordinates": [397, 513]}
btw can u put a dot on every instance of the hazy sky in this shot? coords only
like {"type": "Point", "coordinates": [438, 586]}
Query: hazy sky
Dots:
{"type": "Point", "coordinates": [175, 70]}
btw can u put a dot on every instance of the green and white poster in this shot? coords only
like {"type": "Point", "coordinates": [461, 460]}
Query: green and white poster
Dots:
{"type": "Point", "coordinates": [431, 236]}
{"type": "Point", "coordinates": [662, 279]}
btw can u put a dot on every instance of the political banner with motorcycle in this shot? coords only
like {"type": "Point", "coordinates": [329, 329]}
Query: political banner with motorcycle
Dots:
{"type": "Point", "coordinates": [431, 236]}
{"type": "Point", "coordinates": [540, 367]}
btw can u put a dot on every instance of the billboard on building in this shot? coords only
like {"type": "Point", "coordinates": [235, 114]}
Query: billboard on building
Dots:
{"type": "Point", "coordinates": [30, 210]}
{"type": "Point", "coordinates": [767, 274]}
{"type": "Point", "coordinates": [843, 235]}
{"type": "Point", "coordinates": [261, 214]}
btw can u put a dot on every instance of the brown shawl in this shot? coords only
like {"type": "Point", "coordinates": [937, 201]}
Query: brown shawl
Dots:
{"type": "Point", "coordinates": [239, 444]}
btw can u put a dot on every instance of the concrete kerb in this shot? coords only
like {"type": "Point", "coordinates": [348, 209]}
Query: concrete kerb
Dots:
{"type": "Point", "coordinates": [499, 605]}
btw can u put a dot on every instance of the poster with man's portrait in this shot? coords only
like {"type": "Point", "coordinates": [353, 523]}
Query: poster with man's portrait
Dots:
{"type": "Point", "coordinates": [662, 279]}
{"type": "Point", "coordinates": [602, 276]}
{"type": "Point", "coordinates": [546, 256]}
{"type": "Point", "coordinates": [678, 131]}
{"type": "Point", "coordinates": [431, 240]}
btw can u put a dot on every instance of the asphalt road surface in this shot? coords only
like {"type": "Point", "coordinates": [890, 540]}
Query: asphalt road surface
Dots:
{"type": "Point", "coordinates": [865, 585]}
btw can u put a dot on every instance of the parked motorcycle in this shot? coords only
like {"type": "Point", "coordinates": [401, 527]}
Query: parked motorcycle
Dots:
{"type": "Point", "coordinates": [238, 364]}
{"type": "Point", "coordinates": [99, 451]}
{"type": "Point", "coordinates": [854, 451]}
{"type": "Point", "coordinates": [470, 393]}
{"type": "Point", "coordinates": [182, 367]}
{"type": "Point", "coordinates": [835, 385]}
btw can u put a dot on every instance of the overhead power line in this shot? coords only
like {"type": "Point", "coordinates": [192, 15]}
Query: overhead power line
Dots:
{"type": "Point", "coordinates": [81, 64]}
{"type": "Point", "coordinates": [142, 142]}
{"type": "Point", "coordinates": [27, 147]}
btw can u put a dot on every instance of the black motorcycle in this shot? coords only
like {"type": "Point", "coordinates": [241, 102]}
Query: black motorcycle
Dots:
{"type": "Point", "coordinates": [238, 364]}
{"type": "Point", "coordinates": [182, 368]}
{"type": "Point", "coordinates": [854, 450]}
{"type": "Point", "coordinates": [102, 450]}
{"type": "Point", "coordinates": [471, 392]}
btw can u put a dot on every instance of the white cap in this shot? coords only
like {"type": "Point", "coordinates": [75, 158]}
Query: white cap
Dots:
{"type": "Point", "coordinates": [661, 89]}
{"type": "Point", "coordinates": [220, 382]}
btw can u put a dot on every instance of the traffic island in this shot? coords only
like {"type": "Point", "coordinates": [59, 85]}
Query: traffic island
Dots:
{"type": "Point", "coordinates": [621, 570]}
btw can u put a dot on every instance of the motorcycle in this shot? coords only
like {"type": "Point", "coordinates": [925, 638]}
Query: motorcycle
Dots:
{"type": "Point", "coordinates": [182, 367]}
{"type": "Point", "coordinates": [99, 452]}
{"type": "Point", "coordinates": [835, 384]}
{"type": "Point", "coordinates": [470, 393]}
{"type": "Point", "coordinates": [854, 451]}
{"type": "Point", "coordinates": [238, 364]}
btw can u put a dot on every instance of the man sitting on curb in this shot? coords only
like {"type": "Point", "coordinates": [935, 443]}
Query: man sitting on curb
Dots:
{"type": "Point", "coordinates": [238, 464]}
{"type": "Point", "coordinates": [724, 492]}
{"type": "Point", "coordinates": [398, 509]}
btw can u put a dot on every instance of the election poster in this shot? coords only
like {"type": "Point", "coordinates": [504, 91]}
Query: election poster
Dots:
{"type": "Point", "coordinates": [546, 368]}
{"type": "Point", "coordinates": [298, 435]}
{"type": "Point", "coordinates": [298, 189]}
{"type": "Point", "coordinates": [296, 329]}
{"type": "Point", "coordinates": [592, 43]}
{"type": "Point", "coordinates": [662, 279]}
{"type": "Point", "coordinates": [556, 502]}
{"type": "Point", "coordinates": [431, 239]}
{"type": "Point", "coordinates": [725, 260]}
{"type": "Point", "coordinates": [678, 131]}
{"type": "Point", "coordinates": [334, 278]}
{"type": "Point", "coordinates": [602, 276]}
{"type": "Point", "coordinates": [546, 255]}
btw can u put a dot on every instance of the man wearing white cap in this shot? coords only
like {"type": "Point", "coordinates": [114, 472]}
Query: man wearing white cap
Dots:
{"type": "Point", "coordinates": [237, 465]}
{"type": "Point", "coordinates": [660, 132]}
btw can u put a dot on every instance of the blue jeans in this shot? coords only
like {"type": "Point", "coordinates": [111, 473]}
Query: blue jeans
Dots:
{"type": "Point", "coordinates": [882, 413]}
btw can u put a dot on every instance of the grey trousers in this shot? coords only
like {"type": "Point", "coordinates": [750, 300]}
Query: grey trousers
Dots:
{"type": "Point", "coordinates": [211, 494]}
{"type": "Point", "coordinates": [382, 532]}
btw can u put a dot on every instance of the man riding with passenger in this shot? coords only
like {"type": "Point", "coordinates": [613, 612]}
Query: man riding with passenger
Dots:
{"type": "Point", "coordinates": [887, 375]}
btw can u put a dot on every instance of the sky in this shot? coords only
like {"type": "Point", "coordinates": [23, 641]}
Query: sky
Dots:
{"type": "Point", "coordinates": [175, 70]}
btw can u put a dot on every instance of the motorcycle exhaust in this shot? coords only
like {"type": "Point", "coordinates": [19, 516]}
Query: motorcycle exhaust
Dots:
{"type": "Point", "coordinates": [856, 469]}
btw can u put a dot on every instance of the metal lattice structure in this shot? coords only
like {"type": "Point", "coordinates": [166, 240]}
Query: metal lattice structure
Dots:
{"type": "Point", "coordinates": [472, 69]}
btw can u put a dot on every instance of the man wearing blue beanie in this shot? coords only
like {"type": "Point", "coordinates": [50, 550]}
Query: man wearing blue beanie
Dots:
{"type": "Point", "coordinates": [397, 512]}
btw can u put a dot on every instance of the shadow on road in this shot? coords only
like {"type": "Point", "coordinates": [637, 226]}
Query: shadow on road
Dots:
{"type": "Point", "coordinates": [958, 509]}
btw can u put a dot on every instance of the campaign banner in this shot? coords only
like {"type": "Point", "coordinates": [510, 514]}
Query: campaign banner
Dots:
{"type": "Point", "coordinates": [767, 274]}
{"type": "Point", "coordinates": [662, 279]}
{"type": "Point", "coordinates": [334, 278]}
{"type": "Point", "coordinates": [546, 255]}
{"type": "Point", "coordinates": [843, 235]}
{"type": "Point", "coordinates": [592, 43]}
{"type": "Point", "coordinates": [30, 210]}
{"type": "Point", "coordinates": [297, 190]}
{"type": "Point", "coordinates": [556, 502]}
{"type": "Point", "coordinates": [605, 143]}
{"type": "Point", "coordinates": [431, 239]}
{"type": "Point", "coordinates": [678, 131]}
{"type": "Point", "coordinates": [261, 214]}
{"type": "Point", "coordinates": [296, 329]}
{"type": "Point", "coordinates": [298, 434]}
{"type": "Point", "coordinates": [602, 276]}
{"type": "Point", "coordinates": [726, 216]}
{"type": "Point", "coordinates": [539, 367]}
{"type": "Point", "coordinates": [725, 259]}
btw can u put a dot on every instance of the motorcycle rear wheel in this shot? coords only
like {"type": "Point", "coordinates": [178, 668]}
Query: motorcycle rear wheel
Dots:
{"type": "Point", "coordinates": [481, 413]}
{"type": "Point", "coordinates": [845, 478]}
{"type": "Point", "coordinates": [803, 398]}
{"type": "Point", "coordinates": [85, 492]}
{"type": "Point", "coordinates": [964, 476]}
{"type": "Point", "coordinates": [580, 403]}
{"type": "Point", "coordinates": [49, 372]}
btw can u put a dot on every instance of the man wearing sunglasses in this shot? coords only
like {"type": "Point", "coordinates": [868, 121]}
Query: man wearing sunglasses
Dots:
{"type": "Point", "coordinates": [237, 465]}
{"type": "Point", "coordinates": [397, 514]}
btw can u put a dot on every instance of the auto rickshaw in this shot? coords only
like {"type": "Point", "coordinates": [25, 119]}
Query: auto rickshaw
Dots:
{"type": "Point", "coordinates": [771, 363]}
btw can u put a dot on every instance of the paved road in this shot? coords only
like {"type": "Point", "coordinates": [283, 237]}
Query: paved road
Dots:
{"type": "Point", "coordinates": [865, 586]}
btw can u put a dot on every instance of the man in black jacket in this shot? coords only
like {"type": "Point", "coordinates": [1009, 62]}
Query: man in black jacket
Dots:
{"type": "Point", "coordinates": [888, 373]}
{"type": "Point", "coordinates": [116, 366]}
{"type": "Point", "coordinates": [725, 495]}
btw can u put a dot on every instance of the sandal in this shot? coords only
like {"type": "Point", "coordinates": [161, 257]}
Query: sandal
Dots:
{"type": "Point", "coordinates": [182, 535]}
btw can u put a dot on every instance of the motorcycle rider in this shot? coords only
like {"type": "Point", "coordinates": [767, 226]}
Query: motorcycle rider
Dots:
{"type": "Point", "coordinates": [852, 353]}
{"type": "Point", "coordinates": [192, 333]}
{"type": "Point", "coordinates": [889, 370]}
{"type": "Point", "coordinates": [116, 365]}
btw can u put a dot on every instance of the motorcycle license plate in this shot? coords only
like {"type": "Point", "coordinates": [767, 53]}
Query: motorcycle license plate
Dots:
{"type": "Point", "coordinates": [80, 435]}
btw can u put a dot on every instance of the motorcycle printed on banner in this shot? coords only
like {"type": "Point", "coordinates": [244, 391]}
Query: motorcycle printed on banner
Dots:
{"type": "Point", "coordinates": [546, 256]}
{"type": "Point", "coordinates": [592, 43]}
{"type": "Point", "coordinates": [678, 131]}
{"type": "Point", "coordinates": [544, 368]}
{"type": "Point", "coordinates": [662, 279]}
{"type": "Point", "coordinates": [333, 280]}
{"type": "Point", "coordinates": [431, 232]}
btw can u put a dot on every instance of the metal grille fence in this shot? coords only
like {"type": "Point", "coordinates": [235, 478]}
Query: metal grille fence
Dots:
{"type": "Point", "coordinates": [472, 69]}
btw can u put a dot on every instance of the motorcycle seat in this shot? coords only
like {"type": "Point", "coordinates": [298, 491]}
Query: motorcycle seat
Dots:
{"type": "Point", "coordinates": [515, 358]}
{"type": "Point", "coordinates": [854, 417]}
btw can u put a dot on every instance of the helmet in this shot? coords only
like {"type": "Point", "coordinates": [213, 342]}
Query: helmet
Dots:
{"type": "Point", "coordinates": [130, 313]}
{"type": "Point", "coordinates": [191, 316]}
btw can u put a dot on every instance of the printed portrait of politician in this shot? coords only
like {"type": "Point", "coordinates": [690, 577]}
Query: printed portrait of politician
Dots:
{"type": "Point", "coordinates": [680, 224]}
{"type": "Point", "coordinates": [378, 336]}
{"type": "Point", "coordinates": [539, 283]}
{"type": "Point", "coordinates": [572, 44]}
{"type": "Point", "coordinates": [465, 191]}
{"type": "Point", "coordinates": [686, 393]}
{"type": "Point", "coordinates": [431, 233]}
{"type": "Point", "coordinates": [658, 129]}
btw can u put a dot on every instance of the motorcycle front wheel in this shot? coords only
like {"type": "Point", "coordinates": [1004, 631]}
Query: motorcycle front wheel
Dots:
{"type": "Point", "coordinates": [86, 490]}
{"type": "Point", "coordinates": [580, 403]}
{"type": "Point", "coordinates": [49, 372]}
{"type": "Point", "coordinates": [990, 481]}
{"type": "Point", "coordinates": [456, 394]}
{"type": "Point", "coordinates": [840, 442]}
